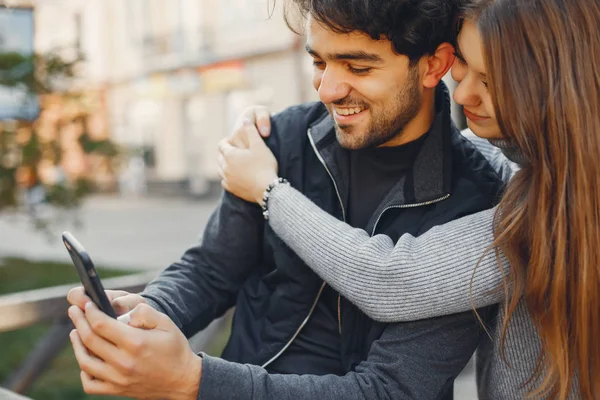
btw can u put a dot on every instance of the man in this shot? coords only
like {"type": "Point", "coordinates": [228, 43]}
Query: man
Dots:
{"type": "Point", "coordinates": [380, 152]}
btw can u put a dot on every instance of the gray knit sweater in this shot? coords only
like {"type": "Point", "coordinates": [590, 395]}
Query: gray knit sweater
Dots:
{"type": "Point", "coordinates": [418, 278]}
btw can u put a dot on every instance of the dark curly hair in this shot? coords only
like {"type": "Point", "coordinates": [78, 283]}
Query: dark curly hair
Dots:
{"type": "Point", "coordinates": [415, 27]}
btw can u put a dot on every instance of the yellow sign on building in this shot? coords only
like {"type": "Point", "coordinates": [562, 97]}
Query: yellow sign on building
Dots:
{"type": "Point", "coordinates": [223, 77]}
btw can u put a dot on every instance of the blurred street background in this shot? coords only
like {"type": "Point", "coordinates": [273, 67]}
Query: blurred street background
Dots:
{"type": "Point", "coordinates": [110, 115]}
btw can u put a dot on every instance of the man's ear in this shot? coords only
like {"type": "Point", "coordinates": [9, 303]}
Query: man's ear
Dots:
{"type": "Point", "coordinates": [437, 65]}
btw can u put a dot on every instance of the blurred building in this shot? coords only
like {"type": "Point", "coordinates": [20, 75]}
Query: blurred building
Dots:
{"type": "Point", "coordinates": [179, 72]}
{"type": "Point", "coordinates": [16, 49]}
{"type": "Point", "coordinates": [171, 76]}
{"type": "Point", "coordinates": [168, 78]}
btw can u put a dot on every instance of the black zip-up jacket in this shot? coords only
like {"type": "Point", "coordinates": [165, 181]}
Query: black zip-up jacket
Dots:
{"type": "Point", "coordinates": [241, 262]}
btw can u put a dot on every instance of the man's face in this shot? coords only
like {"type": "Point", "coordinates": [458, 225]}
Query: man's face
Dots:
{"type": "Point", "coordinates": [370, 91]}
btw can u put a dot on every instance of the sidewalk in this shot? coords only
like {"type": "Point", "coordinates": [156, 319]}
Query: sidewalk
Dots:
{"type": "Point", "coordinates": [126, 233]}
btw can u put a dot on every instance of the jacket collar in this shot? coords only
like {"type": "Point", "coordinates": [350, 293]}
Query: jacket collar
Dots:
{"type": "Point", "coordinates": [431, 177]}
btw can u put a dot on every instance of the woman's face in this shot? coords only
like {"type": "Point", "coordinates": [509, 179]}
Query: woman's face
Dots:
{"type": "Point", "coordinates": [472, 92]}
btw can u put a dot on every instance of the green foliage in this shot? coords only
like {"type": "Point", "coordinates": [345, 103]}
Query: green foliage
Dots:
{"type": "Point", "coordinates": [27, 148]}
{"type": "Point", "coordinates": [9, 161]}
{"type": "Point", "coordinates": [17, 274]}
{"type": "Point", "coordinates": [103, 147]}
{"type": "Point", "coordinates": [16, 69]}
{"type": "Point", "coordinates": [38, 73]}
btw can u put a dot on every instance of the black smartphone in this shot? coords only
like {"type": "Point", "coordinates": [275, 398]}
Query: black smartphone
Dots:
{"type": "Point", "coordinates": [87, 273]}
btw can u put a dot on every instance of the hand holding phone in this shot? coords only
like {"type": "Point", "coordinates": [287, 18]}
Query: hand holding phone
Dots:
{"type": "Point", "coordinates": [87, 274]}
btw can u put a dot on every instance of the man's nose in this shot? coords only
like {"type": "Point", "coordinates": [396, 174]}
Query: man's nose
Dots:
{"type": "Point", "coordinates": [332, 87]}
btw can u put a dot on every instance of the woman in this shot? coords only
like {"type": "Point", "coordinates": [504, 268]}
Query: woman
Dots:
{"type": "Point", "coordinates": [539, 61]}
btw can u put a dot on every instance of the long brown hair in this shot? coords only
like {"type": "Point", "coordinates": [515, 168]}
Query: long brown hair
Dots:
{"type": "Point", "coordinates": [543, 67]}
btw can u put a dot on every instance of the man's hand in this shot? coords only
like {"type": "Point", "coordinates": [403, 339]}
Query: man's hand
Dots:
{"type": "Point", "coordinates": [148, 358]}
{"type": "Point", "coordinates": [258, 116]}
{"type": "Point", "coordinates": [122, 301]}
{"type": "Point", "coordinates": [246, 165]}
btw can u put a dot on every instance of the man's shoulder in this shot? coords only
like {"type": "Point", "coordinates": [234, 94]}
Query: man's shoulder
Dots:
{"type": "Point", "coordinates": [484, 146]}
{"type": "Point", "coordinates": [502, 165]}
{"type": "Point", "coordinates": [299, 117]}
{"type": "Point", "coordinates": [289, 127]}
{"type": "Point", "coordinates": [471, 166]}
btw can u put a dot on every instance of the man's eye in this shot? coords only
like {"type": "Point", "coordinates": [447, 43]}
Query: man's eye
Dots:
{"type": "Point", "coordinates": [318, 63]}
{"type": "Point", "coordinates": [359, 71]}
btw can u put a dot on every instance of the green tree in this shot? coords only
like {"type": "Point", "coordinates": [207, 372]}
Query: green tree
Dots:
{"type": "Point", "coordinates": [31, 152]}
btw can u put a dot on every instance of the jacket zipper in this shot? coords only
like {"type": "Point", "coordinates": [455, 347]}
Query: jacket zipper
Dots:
{"type": "Point", "coordinates": [425, 203]}
{"type": "Point", "coordinates": [312, 143]}
{"type": "Point", "coordinates": [314, 305]}
{"type": "Point", "coordinates": [413, 205]}
{"type": "Point", "coordinates": [312, 309]}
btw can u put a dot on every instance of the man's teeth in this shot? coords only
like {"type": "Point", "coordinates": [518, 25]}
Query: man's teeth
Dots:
{"type": "Point", "coordinates": [348, 111]}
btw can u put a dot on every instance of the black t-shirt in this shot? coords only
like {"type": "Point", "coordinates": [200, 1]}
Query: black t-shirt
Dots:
{"type": "Point", "coordinates": [373, 173]}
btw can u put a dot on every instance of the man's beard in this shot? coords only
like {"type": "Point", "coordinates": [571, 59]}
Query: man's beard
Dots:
{"type": "Point", "coordinates": [387, 123]}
